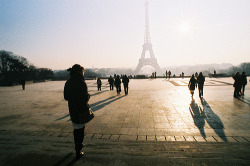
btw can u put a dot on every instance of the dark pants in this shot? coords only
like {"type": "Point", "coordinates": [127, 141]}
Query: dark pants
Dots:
{"type": "Point", "coordinates": [23, 86]}
{"type": "Point", "coordinates": [78, 138]}
{"type": "Point", "coordinates": [99, 87]}
{"type": "Point", "coordinates": [237, 91]}
{"type": "Point", "coordinates": [200, 87]}
{"type": "Point", "coordinates": [111, 86]}
{"type": "Point", "coordinates": [126, 88]}
{"type": "Point", "coordinates": [118, 88]}
{"type": "Point", "coordinates": [243, 89]}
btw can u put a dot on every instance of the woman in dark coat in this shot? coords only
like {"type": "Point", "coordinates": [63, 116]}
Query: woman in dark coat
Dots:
{"type": "Point", "coordinates": [200, 82]}
{"type": "Point", "coordinates": [76, 93]}
{"type": "Point", "coordinates": [191, 85]}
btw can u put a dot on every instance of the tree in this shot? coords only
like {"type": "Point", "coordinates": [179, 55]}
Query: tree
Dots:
{"type": "Point", "coordinates": [13, 68]}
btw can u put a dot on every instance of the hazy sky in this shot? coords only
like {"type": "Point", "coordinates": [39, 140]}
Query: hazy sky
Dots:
{"type": "Point", "coordinates": [110, 33]}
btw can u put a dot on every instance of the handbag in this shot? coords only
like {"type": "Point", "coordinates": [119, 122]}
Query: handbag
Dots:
{"type": "Point", "coordinates": [86, 116]}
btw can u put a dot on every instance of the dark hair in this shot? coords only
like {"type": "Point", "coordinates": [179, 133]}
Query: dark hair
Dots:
{"type": "Point", "coordinates": [75, 69]}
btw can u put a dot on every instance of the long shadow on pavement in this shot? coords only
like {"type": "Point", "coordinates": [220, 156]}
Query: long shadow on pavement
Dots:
{"type": "Point", "coordinates": [242, 99]}
{"type": "Point", "coordinates": [106, 102]}
{"type": "Point", "coordinates": [213, 120]}
{"type": "Point", "coordinates": [65, 116]}
{"type": "Point", "coordinates": [198, 116]}
{"type": "Point", "coordinates": [63, 159]}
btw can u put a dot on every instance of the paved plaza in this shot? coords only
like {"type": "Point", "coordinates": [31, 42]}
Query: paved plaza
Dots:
{"type": "Point", "coordinates": [157, 123]}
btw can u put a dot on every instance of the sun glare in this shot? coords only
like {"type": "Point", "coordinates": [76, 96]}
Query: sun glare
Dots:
{"type": "Point", "coordinates": [184, 28]}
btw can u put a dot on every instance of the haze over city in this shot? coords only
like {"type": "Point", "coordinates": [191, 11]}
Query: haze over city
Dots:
{"type": "Point", "coordinates": [110, 33]}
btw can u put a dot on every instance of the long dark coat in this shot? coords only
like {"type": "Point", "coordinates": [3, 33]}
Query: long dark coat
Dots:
{"type": "Point", "coordinates": [76, 93]}
{"type": "Point", "coordinates": [192, 83]}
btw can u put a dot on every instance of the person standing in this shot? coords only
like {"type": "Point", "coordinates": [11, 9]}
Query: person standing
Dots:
{"type": "Point", "coordinates": [200, 82]}
{"type": "Point", "coordinates": [99, 84]}
{"type": "Point", "coordinates": [155, 75]}
{"type": "Point", "coordinates": [118, 84]}
{"type": "Point", "coordinates": [22, 81]}
{"type": "Point", "coordinates": [243, 82]}
{"type": "Point", "coordinates": [125, 82]}
{"type": "Point", "coordinates": [237, 84]}
{"type": "Point", "coordinates": [76, 93]}
{"type": "Point", "coordinates": [169, 74]}
{"type": "Point", "coordinates": [191, 85]}
{"type": "Point", "coordinates": [111, 83]}
{"type": "Point", "coordinates": [166, 74]}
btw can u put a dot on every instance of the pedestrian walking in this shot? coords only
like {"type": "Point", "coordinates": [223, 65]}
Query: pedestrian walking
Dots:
{"type": "Point", "coordinates": [22, 81]}
{"type": "Point", "coordinates": [166, 74]}
{"type": "Point", "coordinates": [76, 93]}
{"type": "Point", "coordinates": [111, 83]}
{"type": "Point", "coordinates": [237, 84]}
{"type": "Point", "coordinates": [125, 82]}
{"type": "Point", "coordinates": [191, 85]}
{"type": "Point", "coordinates": [200, 82]}
{"type": "Point", "coordinates": [243, 82]}
{"type": "Point", "coordinates": [118, 84]}
{"type": "Point", "coordinates": [99, 84]}
{"type": "Point", "coordinates": [169, 74]}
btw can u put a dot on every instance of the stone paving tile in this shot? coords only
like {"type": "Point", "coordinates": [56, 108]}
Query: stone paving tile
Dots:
{"type": "Point", "coordinates": [88, 135]}
{"type": "Point", "coordinates": [128, 137]}
{"type": "Point", "coordinates": [115, 137]}
{"type": "Point", "coordinates": [199, 139]}
{"type": "Point", "coordinates": [247, 138]}
{"type": "Point", "coordinates": [210, 139]}
{"type": "Point", "coordinates": [141, 138]}
{"type": "Point", "coordinates": [231, 139]}
{"type": "Point", "coordinates": [240, 139]}
{"type": "Point", "coordinates": [63, 134]}
{"type": "Point", "coordinates": [97, 136]}
{"type": "Point", "coordinates": [105, 136]}
{"type": "Point", "coordinates": [160, 138]}
{"type": "Point", "coordinates": [170, 138]}
{"type": "Point", "coordinates": [179, 138]}
{"type": "Point", "coordinates": [220, 139]}
{"type": "Point", "coordinates": [189, 138]}
{"type": "Point", "coordinates": [151, 138]}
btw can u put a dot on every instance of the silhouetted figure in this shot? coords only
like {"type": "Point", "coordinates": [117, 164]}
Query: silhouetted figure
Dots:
{"type": "Point", "coordinates": [111, 83]}
{"type": "Point", "coordinates": [125, 82]}
{"type": "Point", "coordinates": [155, 75]}
{"type": "Point", "coordinates": [182, 74]}
{"type": "Point", "coordinates": [169, 74]}
{"type": "Point", "coordinates": [118, 84]}
{"type": "Point", "coordinates": [237, 84]}
{"type": "Point", "coordinates": [99, 84]}
{"type": "Point", "coordinates": [200, 82]}
{"type": "Point", "coordinates": [76, 93]}
{"type": "Point", "coordinates": [191, 85]}
{"type": "Point", "coordinates": [244, 82]}
{"type": "Point", "coordinates": [214, 73]}
{"type": "Point", "coordinates": [196, 74]}
{"type": "Point", "coordinates": [22, 82]}
{"type": "Point", "coordinates": [166, 74]}
{"type": "Point", "coordinates": [174, 75]}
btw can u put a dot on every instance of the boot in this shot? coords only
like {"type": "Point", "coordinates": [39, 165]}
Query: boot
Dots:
{"type": "Point", "coordinates": [79, 154]}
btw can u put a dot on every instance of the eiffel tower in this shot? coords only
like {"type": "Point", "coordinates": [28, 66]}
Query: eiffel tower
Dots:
{"type": "Point", "coordinates": [147, 46]}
